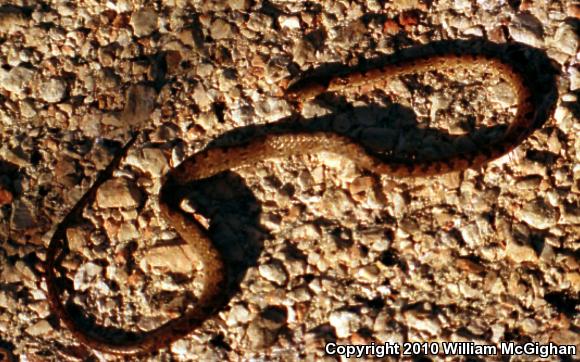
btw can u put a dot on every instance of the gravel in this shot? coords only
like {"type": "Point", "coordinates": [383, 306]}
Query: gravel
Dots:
{"type": "Point", "coordinates": [320, 251]}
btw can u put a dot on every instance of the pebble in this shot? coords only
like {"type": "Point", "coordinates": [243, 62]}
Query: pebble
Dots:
{"type": "Point", "coordinates": [566, 39]}
{"type": "Point", "coordinates": [182, 348]}
{"type": "Point", "coordinates": [264, 329]}
{"type": "Point", "coordinates": [502, 94]}
{"type": "Point", "coordinates": [274, 272]}
{"type": "Point", "coordinates": [77, 239]}
{"type": "Point", "coordinates": [439, 100]}
{"type": "Point", "coordinates": [118, 193]}
{"type": "Point", "coordinates": [27, 109]}
{"type": "Point", "coordinates": [474, 31]}
{"type": "Point", "coordinates": [526, 29]}
{"type": "Point", "coordinates": [471, 235]}
{"type": "Point", "coordinates": [85, 276]}
{"type": "Point", "coordinates": [22, 217]}
{"type": "Point", "coordinates": [202, 98]}
{"type": "Point", "coordinates": [312, 110]}
{"type": "Point", "coordinates": [360, 186]}
{"type": "Point", "coordinates": [369, 273]}
{"type": "Point", "coordinates": [306, 232]}
{"type": "Point", "coordinates": [349, 36]}
{"type": "Point", "coordinates": [239, 4]}
{"type": "Point", "coordinates": [289, 22]}
{"type": "Point", "coordinates": [574, 279]}
{"type": "Point", "coordinates": [497, 331]}
{"type": "Point", "coordinates": [574, 83]}
{"type": "Point", "coordinates": [422, 323]}
{"type": "Point", "coordinates": [139, 105]}
{"type": "Point", "coordinates": [144, 22]}
{"type": "Point", "coordinates": [221, 29]}
{"type": "Point", "coordinates": [554, 144]}
{"type": "Point", "coordinates": [16, 80]}
{"type": "Point", "coordinates": [149, 160]}
{"type": "Point", "coordinates": [8, 302]}
{"type": "Point", "coordinates": [570, 215]}
{"type": "Point", "coordinates": [469, 266]}
{"type": "Point", "coordinates": [564, 119]}
{"type": "Point", "coordinates": [271, 108]}
{"type": "Point", "coordinates": [406, 4]}
{"type": "Point", "coordinates": [520, 253]}
{"type": "Point", "coordinates": [52, 90]}
{"type": "Point", "coordinates": [344, 322]}
{"type": "Point", "coordinates": [128, 231]}
{"type": "Point", "coordinates": [538, 214]}
{"type": "Point", "coordinates": [238, 314]}
{"type": "Point", "coordinates": [259, 337]}
{"type": "Point", "coordinates": [399, 204]}
{"type": "Point", "coordinates": [271, 221]}
{"type": "Point", "coordinates": [23, 273]}
{"type": "Point", "coordinates": [335, 202]}
{"type": "Point", "coordinates": [570, 97]}
{"type": "Point", "coordinates": [463, 5]}
{"type": "Point", "coordinates": [174, 259]}
{"type": "Point", "coordinates": [398, 87]}
{"type": "Point", "coordinates": [259, 22]}
{"type": "Point", "coordinates": [303, 52]}
{"type": "Point", "coordinates": [40, 328]}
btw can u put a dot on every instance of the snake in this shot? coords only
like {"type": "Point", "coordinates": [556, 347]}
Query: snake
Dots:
{"type": "Point", "coordinates": [533, 109]}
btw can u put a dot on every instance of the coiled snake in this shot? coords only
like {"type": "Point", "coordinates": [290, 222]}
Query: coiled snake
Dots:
{"type": "Point", "coordinates": [532, 111]}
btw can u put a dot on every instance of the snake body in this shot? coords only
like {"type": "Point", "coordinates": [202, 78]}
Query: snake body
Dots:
{"type": "Point", "coordinates": [212, 161]}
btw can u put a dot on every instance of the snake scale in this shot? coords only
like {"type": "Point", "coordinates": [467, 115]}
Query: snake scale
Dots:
{"type": "Point", "coordinates": [531, 113]}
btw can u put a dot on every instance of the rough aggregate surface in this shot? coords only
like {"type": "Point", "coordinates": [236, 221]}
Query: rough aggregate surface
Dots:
{"type": "Point", "coordinates": [323, 251]}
